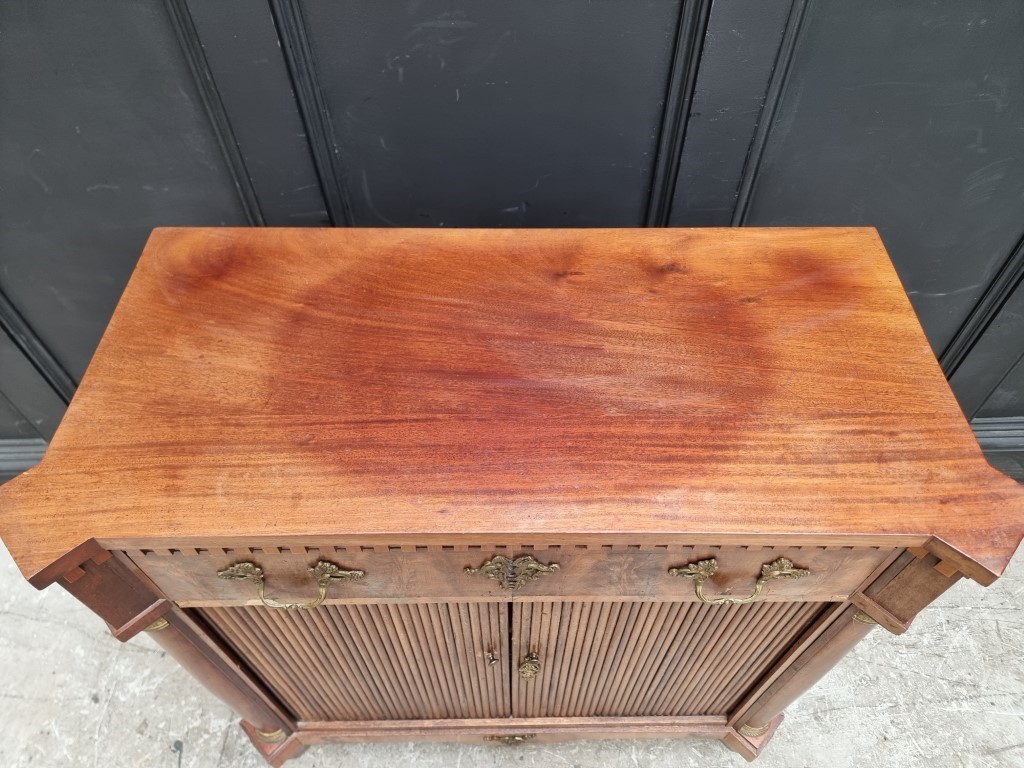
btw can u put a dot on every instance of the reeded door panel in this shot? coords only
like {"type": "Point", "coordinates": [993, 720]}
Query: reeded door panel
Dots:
{"type": "Point", "coordinates": [586, 659]}
{"type": "Point", "coordinates": [376, 662]}
{"type": "Point", "coordinates": [556, 659]}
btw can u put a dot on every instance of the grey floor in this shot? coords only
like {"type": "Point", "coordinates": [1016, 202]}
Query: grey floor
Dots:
{"type": "Point", "coordinates": [948, 693]}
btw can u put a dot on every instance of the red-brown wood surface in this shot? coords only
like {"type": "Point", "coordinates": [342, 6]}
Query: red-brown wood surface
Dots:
{"type": "Point", "coordinates": [397, 383]}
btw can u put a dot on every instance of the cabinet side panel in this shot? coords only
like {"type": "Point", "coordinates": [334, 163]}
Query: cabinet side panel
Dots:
{"type": "Point", "coordinates": [375, 662]}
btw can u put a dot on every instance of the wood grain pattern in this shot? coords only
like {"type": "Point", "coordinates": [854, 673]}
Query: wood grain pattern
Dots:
{"type": "Point", "coordinates": [399, 383]}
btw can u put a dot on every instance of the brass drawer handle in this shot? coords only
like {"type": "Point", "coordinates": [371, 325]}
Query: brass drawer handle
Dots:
{"type": "Point", "coordinates": [513, 574]}
{"type": "Point", "coordinates": [517, 738]}
{"type": "Point", "coordinates": [324, 573]}
{"type": "Point", "coordinates": [530, 667]}
{"type": "Point", "coordinates": [703, 570]}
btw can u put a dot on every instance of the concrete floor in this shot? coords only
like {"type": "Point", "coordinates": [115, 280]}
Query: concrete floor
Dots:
{"type": "Point", "coordinates": [948, 693]}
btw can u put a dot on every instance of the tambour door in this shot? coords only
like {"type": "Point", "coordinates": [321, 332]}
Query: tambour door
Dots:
{"type": "Point", "coordinates": [580, 659]}
{"type": "Point", "coordinates": [408, 661]}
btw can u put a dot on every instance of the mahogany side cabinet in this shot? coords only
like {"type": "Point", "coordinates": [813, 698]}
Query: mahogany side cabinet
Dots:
{"type": "Point", "coordinates": [511, 485]}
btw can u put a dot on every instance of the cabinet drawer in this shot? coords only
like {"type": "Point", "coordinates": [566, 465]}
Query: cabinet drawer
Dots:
{"type": "Point", "coordinates": [190, 577]}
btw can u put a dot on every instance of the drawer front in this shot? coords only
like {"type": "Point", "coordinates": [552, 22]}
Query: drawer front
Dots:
{"type": "Point", "coordinates": [818, 574]}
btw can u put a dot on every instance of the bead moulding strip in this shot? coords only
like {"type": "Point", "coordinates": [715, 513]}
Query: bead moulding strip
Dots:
{"type": "Point", "coordinates": [992, 299]}
{"type": "Point", "coordinates": [691, 30]}
{"type": "Point", "coordinates": [1003, 434]}
{"type": "Point", "coordinates": [320, 134]}
{"type": "Point", "coordinates": [318, 733]}
{"type": "Point", "coordinates": [25, 338]}
{"type": "Point", "coordinates": [766, 122]}
{"type": "Point", "coordinates": [308, 550]}
{"type": "Point", "coordinates": [209, 96]}
{"type": "Point", "coordinates": [19, 454]}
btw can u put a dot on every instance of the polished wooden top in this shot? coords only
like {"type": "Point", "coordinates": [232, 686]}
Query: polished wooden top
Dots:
{"type": "Point", "coordinates": [394, 383]}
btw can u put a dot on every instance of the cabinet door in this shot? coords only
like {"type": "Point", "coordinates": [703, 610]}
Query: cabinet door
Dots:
{"type": "Point", "coordinates": [376, 662]}
{"type": "Point", "coordinates": [653, 658]}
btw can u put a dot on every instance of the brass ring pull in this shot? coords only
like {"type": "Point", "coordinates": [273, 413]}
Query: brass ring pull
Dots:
{"type": "Point", "coordinates": [530, 667]}
{"type": "Point", "coordinates": [324, 573]}
{"type": "Point", "coordinates": [703, 570]}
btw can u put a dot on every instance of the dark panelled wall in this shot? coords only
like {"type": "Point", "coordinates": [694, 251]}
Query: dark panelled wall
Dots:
{"type": "Point", "coordinates": [122, 116]}
{"type": "Point", "coordinates": [103, 138]}
{"type": "Point", "coordinates": [893, 118]}
{"type": "Point", "coordinates": [540, 114]}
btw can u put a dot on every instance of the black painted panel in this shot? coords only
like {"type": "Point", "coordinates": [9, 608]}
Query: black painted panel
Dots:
{"type": "Point", "coordinates": [1008, 397]}
{"type": "Point", "coordinates": [907, 116]}
{"type": "Point", "coordinates": [241, 47]}
{"type": "Point", "coordinates": [497, 113]}
{"type": "Point", "coordinates": [990, 360]}
{"type": "Point", "coordinates": [675, 114]}
{"type": "Point", "coordinates": [21, 334]}
{"type": "Point", "coordinates": [13, 424]}
{"type": "Point", "coordinates": [739, 53]}
{"type": "Point", "coordinates": [104, 138]}
{"type": "Point", "coordinates": [28, 406]}
{"type": "Point", "coordinates": [996, 295]}
{"type": "Point", "coordinates": [1009, 463]}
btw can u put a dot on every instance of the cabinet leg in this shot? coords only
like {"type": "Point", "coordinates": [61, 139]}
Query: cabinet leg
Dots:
{"type": "Point", "coordinates": [756, 717]}
{"type": "Point", "coordinates": [756, 720]}
{"type": "Point", "coordinates": [276, 746]}
{"type": "Point", "coordinates": [113, 588]}
{"type": "Point", "coordinates": [748, 741]}
{"type": "Point", "coordinates": [270, 729]}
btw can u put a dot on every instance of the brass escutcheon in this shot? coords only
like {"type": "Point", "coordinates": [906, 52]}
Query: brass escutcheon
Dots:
{"type": "Point", "coordinates": [513, 574]}
{"type": "Point", "coordinates": [530, 667]}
